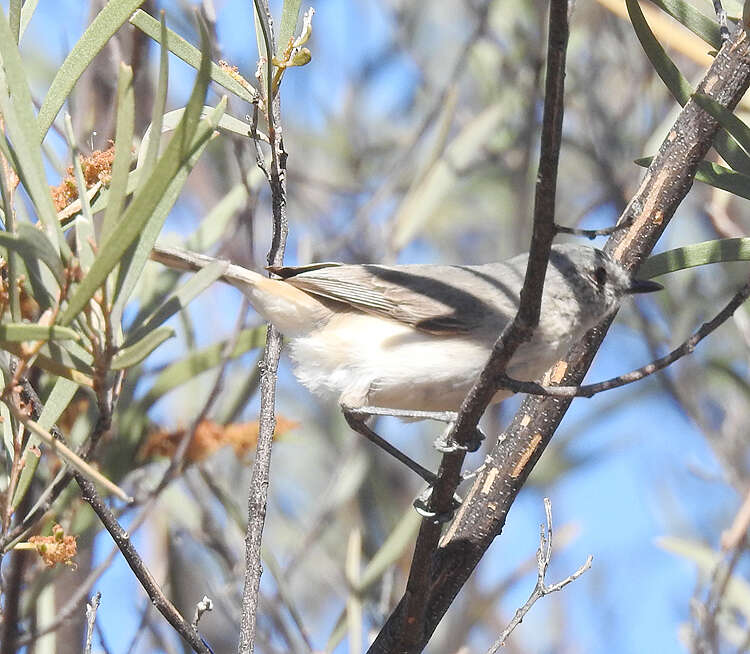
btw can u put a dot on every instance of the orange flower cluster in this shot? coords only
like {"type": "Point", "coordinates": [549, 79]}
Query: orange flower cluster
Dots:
{"type": "Point", "coordinates": [210, 437]}
{"type": "Point", "coordinates": [97, 167]}
{"type": "Point", "coordinates": [57, 548]}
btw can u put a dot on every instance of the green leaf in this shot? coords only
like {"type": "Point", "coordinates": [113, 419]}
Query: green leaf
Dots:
{"type": "Point", "coordinates": [84, 226]}
{"type": "Point", "coordinates": [17, 332]}
{"type": "Point", "coordinates": [27, 11]}
{"type": "Point", "coordinates": [200, 361]}
{"type": "Point", "coordinates": [34, 247]}
{"type": "Point", "coordinates": [716, 176]}
{"type": "Point", "coordinates": [150, 147]}
{"type": "Point", "coordinates": [690, 17]}
{"type": "Point", "coordinates": [665, 68]}
{"type": "Point", "coordinates": [728, 120]}
{"type": "Point", "coordinates": [135, 258]}
{"type": "Point", "coordinates": [114, 14]}
{"type": "Point", "coordinates": [289, 17]}
{"type": "Point", "coordinates": [14, 18]}
{"type": "Point", "coordinates": [134, 354]}
{"type": "Point", "coordinates": [191, 55]}
{"type": "Point", "coordinates": [697, 254]}
{"type": "Point", "coordinates": [59, 398]}
{"type": "Point", "coordinates": [118, 186]}
{"type": "Point", "coordinates": [189, 137]}
{"type": "Point", "coordinates": [181, 297]}
{"type": "Point", "coordinates": [54, 366]}
{"type": "Point", "coordinates": [21, 127]}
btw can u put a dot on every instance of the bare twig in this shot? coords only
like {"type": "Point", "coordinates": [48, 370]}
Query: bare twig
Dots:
{"type": "Point", "coordinates": [687, 347]}
{"type": "Point", "coordinates": [142, 573]}
{"type": "Point", "coordinates": [91, 610]}
{"type": "Point", "coordinates": [543, 557]}
{"type": "Point", "coordinates": [258, 492]}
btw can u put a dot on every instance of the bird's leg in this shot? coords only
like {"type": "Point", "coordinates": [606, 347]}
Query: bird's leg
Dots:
{"type": "Point", "coordinates": [443, 443]}
{"type": "Point", "coordinates": [355, 419]}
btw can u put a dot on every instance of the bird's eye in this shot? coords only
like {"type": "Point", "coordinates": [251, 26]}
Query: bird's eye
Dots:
{"type": "Point", "coordinates": [600, 275]}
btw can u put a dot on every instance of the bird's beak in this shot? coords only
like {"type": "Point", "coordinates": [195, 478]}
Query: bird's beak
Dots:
{"type": "Point", "coordinates": [644, 286]}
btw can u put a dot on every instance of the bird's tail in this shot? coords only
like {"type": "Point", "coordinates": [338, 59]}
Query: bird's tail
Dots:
{"type": "Point", "coordinates": [291, 310]}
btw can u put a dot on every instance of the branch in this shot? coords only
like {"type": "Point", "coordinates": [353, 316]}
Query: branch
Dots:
{"type": "Point", "coordinates": [543, 557]}
{"type": "Point", "coordinates": [258, 492]}
{"type": "Point", "coordinates": [142, 573]}
{"type": "Point", "coordinates": [409, 631]}
{"type": "Point", "coordinates": [482, 516]}
{"type": "Point", "coordinates": [589, 390]}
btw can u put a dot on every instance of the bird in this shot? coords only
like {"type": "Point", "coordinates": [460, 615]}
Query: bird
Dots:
{"type": "Point", "coordinates": [413, 338]}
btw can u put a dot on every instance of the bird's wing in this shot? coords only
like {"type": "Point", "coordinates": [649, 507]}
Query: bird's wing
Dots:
{"type": "Point", "coordinates": [427, 297]}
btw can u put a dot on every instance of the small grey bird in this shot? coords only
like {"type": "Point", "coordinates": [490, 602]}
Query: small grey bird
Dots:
{"type": "Point", "coordinates": [415, 337]}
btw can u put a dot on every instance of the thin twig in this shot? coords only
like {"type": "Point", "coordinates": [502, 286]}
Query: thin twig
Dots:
{"type": "Point", "coordinates": [687, 347]}
{"type": "Point", "coordinates": [543, 557]}
{"type": "Point", "coordinates": [91, 610]}
{"type": "Point", "coordinates": [258, 492]}
{"type": "Point", "coordinates": [142, 573]}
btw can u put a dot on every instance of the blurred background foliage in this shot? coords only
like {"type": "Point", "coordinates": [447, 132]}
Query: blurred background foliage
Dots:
{"type": "Point", "coordinates": [412, 137]}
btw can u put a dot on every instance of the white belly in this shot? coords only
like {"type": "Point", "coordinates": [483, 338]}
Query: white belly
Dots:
{"type": "Point", "coordinates": [383, 363]}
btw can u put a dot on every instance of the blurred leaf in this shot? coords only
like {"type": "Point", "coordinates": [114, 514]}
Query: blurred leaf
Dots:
{"type": "Point", "coordinates": [665, 68]}
{"type": "Point", "coordinates": [114, 14]}
{"type": "Point", "coordinates": [55, 367]}
{"type": "Point", "coordinates": [690, 17]}
{"type": "Point", "coordinates": [180, 298]}
{"type": "Point", "coordinates": [19, 332]}
{"type": "Point", "coordinates": [200, 361]}
{"type": "Point", "coordinates": [191, 55]}
{"type": "Point", "coordinates": [123, 145]}
{"type": "Point", "coordinates": [150, 203]}
{"type": "Point", "coordinates": [151, 146]}
{"type": "Point", "coordinates": [697, 254]}
{"type": "Point", "coordinates": [14, 18]}
{"type": "Point", "coordinates": [58, 400]}
{"type": "Point", "coordinates": [737, 594]}
{"type": "Point", "coordinates": [426, 196]}
{"type": "Point", "coordinates": [134, 354]}
{"type": "Point", "coordinates": [289, 17]}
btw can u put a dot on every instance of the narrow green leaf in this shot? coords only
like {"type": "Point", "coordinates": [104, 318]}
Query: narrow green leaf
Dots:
{"type": "Point", "coordinates": [698, 23]}
{"type": "Point", "coordinates": [47, 363]}
{"type": "Point", "coordinates": [200, 361]}
{"type": "Point", "coordinates": [716, 176]}
{"type": "Point", "coordinates": [181, 297]}
{"type": "Point", "coordinates": [135, 258]}
{"type": "Point", "coordinates": [191, 55]}
{"type": "Point", "coordinates": [14, 18]}
{"type": "Point", "coordinates": [27, 11]}
{"type": "Point", "coordinates": [696, 254]}
{"type": "Point", "coordinates": [18, 332]}
{"type": "Point", "coordinates": [138, 351]}
{"type": "Point", "coordinates": [114, 14]}
{"type": "Point", "coordinates": [289, 17]}
{"type": "Point", "coordinates": [151, 146]}
{"type": "Point", "coordinates": [665, 68]}
{"type": "Point", "coordinates": [21, 126]}
{"type": "Point", "coordinates": [728, 120]}
{"type": "Point", "coordinates": [59, 398]}
{"type": "Point", "coordinates": [84, 226]}
{"type": "Point", "coordinates": [188, 137]}
{"type": "Point", "coordinates": [123, 144]}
